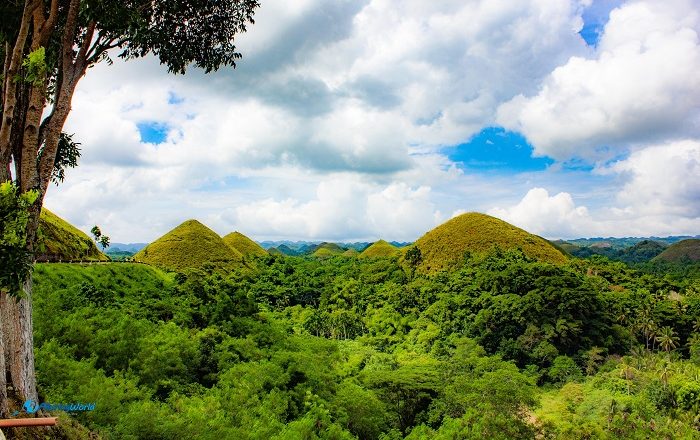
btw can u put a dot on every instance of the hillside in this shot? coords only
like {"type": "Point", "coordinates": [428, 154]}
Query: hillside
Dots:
{"type": "Point", "coordinates": [189, 245]}
{"type": "Point", "coordinates": [61, 241]}
{"type": "Point", "coordinates": [352, 252]}
{"type": "Point", "coordinates": [244, 245]}
{"type": "Point", "coordinates": [380, 249]}
{"type": "Point", "coordinates": [686, 250]}
{"type": "Point", "coordinates": [325, 250]}
{"type": "Point", "coordinates": [444, 247]}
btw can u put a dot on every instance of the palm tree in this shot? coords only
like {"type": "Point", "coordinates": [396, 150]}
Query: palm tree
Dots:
{"type": "Point", "coordinates": [667, 339]}
{"type": "Point", "coordinates": [627, 372]}
{"type": "Point", "coordinates": [696, 325]}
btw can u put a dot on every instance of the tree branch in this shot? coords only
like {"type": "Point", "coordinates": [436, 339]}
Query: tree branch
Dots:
{"type": "Point", "coordinates": [82, 53]}
{"type": "Point", "coordinates": [10, 97]}
{"type": "Point", "coordinates": [50, 22]}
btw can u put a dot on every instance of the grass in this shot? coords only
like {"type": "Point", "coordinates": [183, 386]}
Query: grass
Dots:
{"type": "Point", "coordinates": [352, 252]}
{"type": "Point", "coordinates": [61, 241]}
{"type": "Point", "coordinates": [445, 246]}
{"type": "Point", "coordinates": [189, 245]}
{"type": "Point", "coordinates": [380, 249]}
{"type": "Point", "coordinates": [129, 277]}
{"type": "Point", "coordinates": [325, 250]}
{"type": "Point", "coordinates": [243, 244]}
{"type": "Point", "coordinates": [682, 251]}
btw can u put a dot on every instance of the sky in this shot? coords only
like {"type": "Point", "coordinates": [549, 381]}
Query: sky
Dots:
{"type": "Point", "coordinates": [358, 120]}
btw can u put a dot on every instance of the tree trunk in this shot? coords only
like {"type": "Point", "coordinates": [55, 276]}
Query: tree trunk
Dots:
{"type": "Point", "coordinates": [4, 410]}
{"type": "Point", "coordinates": [20, 342]}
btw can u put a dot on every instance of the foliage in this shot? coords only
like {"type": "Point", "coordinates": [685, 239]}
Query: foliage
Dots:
{"type": "Point", "coordinates": [102, 240]}
{"type": "Point", "coordinates": [503, 346]}
{"type": "Point", "coordinates": [685, 250]}
{"type": "Point", "coordinates": [67, 156]}
{"type": "Point", "coordinates": [15, 259]}
{"type": "Point", "coordinates": [189, 245]}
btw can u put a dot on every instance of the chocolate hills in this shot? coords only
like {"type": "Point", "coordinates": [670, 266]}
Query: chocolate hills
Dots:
{"type": "Point", "coordinates": [244, 245]}
{"type": "Point", "coordinates": [326, 250]}
{"type": "Point", "coordinates": [189, 245]}
{"type": "Point", "coordinates": [444, 247]}
{"type": "Point", "coordinates": [379, 249]}
{"type": "Point", "coordinates": [685, 250]}
{"type": "Point", "coordinates": [61, 241]}
{"type": "Point", "coordinates": [352, 252]}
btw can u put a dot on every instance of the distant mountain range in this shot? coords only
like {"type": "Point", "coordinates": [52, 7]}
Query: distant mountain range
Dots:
{"type": "Point", "coordinates": [127, 247]}
{"type": "Point", "coordinates": [305, 246]}
{"type": "Point", "coordinates": [625, 242]}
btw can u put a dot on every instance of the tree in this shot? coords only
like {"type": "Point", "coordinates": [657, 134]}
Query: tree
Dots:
{"type": "Point", "coordinates": [46, 47]}
{"type": "Point", "coordinates": [102, 240]}
{"type": "Point", "coordinates": [667, 339]}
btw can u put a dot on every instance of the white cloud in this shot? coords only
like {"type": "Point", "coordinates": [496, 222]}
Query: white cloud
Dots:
{"type": "Point", "coordinates": [664, 181]}
{"type": "Point", "coordinates": [660, 196]}
{"type": "Point", "coordinates": [552, 216]}
{"type": "Point", "coordinates": [641, 86]}
{"type": "Point", "coordinates": [333, 123]}
{"type": "Point", "coordinates": [343, 208]}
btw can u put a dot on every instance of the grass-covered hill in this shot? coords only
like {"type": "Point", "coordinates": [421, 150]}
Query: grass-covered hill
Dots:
{"type": "Point", "coordinates": [445, 246]}
{"type": "Point", "coordinates": [61, 241]}
{"type": "Point", "coordinates": [686, 250]}
{"type": "Point", "coordinates": [325, 250]}
{"type": "Point", "coordinates": [380, 249]}
{"type": "Point", "coordinates": [352, 252]}
{"type": "Point", "coordinates": [189, 245]}
{"type": "Point", "coordinates": [244, 245]}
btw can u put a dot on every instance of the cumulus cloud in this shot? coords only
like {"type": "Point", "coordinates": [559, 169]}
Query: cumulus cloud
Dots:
{"type": "Point", "coordinates": [334, 123]}
{"type": "Point", "coordinates": [344, 208]}
{"type": "Point", "coordinates": [660, 196]}
{"type": "Point", "coordinates": [552, 216]}
{"type": "Point", "coordinates": [663, 180]}
{"type": "Point", "coordinates": [640, 86]}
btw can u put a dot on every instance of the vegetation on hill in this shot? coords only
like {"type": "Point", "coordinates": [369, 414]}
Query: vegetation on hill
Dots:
{"type": "Point", "coordinates": [686, 250]}
{"type": "Point", "coordinates": [503, 346]}
{"type": "Point", "coordinates": [244, 245]}
{"type": "Point", "coordinates": [639, 252]}
{"type": "Point", "coordinates": [189, 245]}
{"type": "Point", "coordinates": [446, 246]}
{"type": "Point", "coordinates": [380, 248]}
{"type": "Point", "coordinates": [326, 250]}
{"type": "Point", "coordinates": [61, 241]}
{"type": "Point", "coordinates": [352, 252]}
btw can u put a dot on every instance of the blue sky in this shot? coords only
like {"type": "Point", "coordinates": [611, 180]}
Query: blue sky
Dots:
{"type": "Point", "coordinates": [359, 120]}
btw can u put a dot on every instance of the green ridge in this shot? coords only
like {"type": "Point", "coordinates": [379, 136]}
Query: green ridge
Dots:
{"type": "Point", "coordinates": [380, 249]}
{"type": "Point", "coordinates": [682, 251]}
{"type": "Point", "coordinates": [444, 247]}
{"type": "Point", "coordinates": [189, 245]}
{"type": "Point", "coordinates": [61, 241]}
{"type": "Point", "coordinates": [244, 245]}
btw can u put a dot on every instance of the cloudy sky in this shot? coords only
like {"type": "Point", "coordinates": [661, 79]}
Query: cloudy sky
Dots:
{"type": "Point", "coordinates": [358, 120]}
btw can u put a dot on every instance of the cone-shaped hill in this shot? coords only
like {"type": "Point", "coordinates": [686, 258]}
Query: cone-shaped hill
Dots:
{"type": "Point", "coordinates": [61, 241]}
{"type": "Point", "coordinates": [325, 250]}
{"type": "Point", "coordinates": [684, 250]}
{"type": "Point", "coordinates": [244, 245]}
{"type": "Point", "coordinates": [380, 249]}
{"type": "Point", "coordinates": [352, 252]}
{"type": "Point", "coordinates": [444, 246]}
{"type": "Point", "coordinates": [189, 245]}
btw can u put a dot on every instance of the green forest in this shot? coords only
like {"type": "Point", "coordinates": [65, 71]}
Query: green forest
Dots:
{"type": "Point", "coordinates": [499, 346]}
